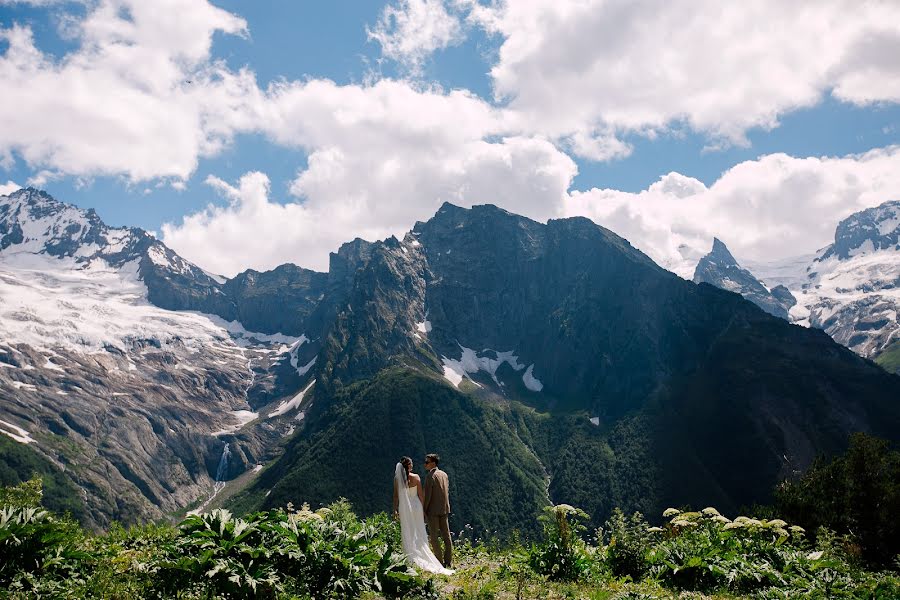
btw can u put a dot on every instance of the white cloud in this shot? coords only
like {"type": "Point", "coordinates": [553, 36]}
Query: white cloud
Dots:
{"type": "Point", "coordinates": [380, 158]}
{"type": "Point", "coordinates": [139, 97]}
{"type": "Point", "coordinates": [767, 209]}
{"type": "Point", "coordinates": [350, 193]}
{"type": "Point", "coordinates": [573, 66]}
{"type": "Point", "coordinates": [9, 187]}
{"type": "Point", "coordinates": [598, 146]}
{"type": "Point", "coordinates": [409, 31]}
{"type": "Point", "coordinates": [143, 98]}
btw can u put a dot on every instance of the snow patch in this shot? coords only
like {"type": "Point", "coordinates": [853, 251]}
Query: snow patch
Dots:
{"type": "Point", "coordinates": [292, 403]}
{"type": "Point", "coordinates": [471, 362]}
{"type": "Point", "coordinates": [15, 432]}
{"type": "Point", "coordinates": [217, 278]}
{"type": "Point", "coordinates": [595, 421]}
{"type": "Point", "coordinates": [157, 256]}
{"type": "Point", "coordinates": [453, 371]}
{"type": "Point", "coordinates": [424, 326]}
{"type": "Point", "coordinates": [889, 225]}
{"type": "Point", "coordinates": [243, 417]}
{"type": "Point", "coordinates": [53, 366]}
{"type": "Point", "coordinates": [47, 302]}
{"type": "Point", "coordinates": [236, 329]}
{"type": "Point", "coordinates": [530, 381]}
{"type": "Point", "coordinates": [295, 359]}
{"type": "Point", "coordinates": [867, 247]}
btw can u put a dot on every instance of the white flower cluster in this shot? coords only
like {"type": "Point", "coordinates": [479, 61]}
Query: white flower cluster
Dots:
{"type": "Point", "coordinates": [679, 520]}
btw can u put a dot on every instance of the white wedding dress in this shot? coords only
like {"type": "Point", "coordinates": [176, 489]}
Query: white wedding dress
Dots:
{"type": "Point", "coordinates": [412, 528]}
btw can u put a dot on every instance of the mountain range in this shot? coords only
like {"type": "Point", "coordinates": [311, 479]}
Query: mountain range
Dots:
{"type": "Point", "coordinates": [545, 362]}
{"type": "Point", "coordinates": [850, 288]}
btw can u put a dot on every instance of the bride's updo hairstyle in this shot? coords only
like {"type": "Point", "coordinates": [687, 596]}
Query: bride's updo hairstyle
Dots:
{"type": "Point", "coordinates": [407, 467]}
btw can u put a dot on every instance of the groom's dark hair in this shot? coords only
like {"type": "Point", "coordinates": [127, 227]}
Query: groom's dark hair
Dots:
{"type": "Point", "coordinates": [433, 458]}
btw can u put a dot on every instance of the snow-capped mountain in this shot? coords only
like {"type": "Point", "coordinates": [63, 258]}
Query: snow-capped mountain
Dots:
{"type": "Point", "coordinates": [719, 268]}
{"type": "Point", "coordinates": [853, 285]}
{"type": "Point", "coordinates": [133, 401]}
{"type": "Point", "coordinates": [850, 289]}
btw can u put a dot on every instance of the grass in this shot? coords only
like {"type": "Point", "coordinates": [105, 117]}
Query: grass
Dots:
{"type": "Point", "coordinates": [890, 358]}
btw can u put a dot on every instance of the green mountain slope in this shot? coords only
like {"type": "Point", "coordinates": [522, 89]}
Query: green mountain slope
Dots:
{"type": "Point", "coordinates": [19, 463]}
{"type": "Point", "coordinates": [890, 358]}
{"type": "Point", "coordinates": [350, 449]}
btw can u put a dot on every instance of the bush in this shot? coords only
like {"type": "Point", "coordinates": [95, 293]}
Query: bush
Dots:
{"type": "Point", "coordinates": [27, 494]}
{"type": "Point", "coordinates": [704, 551]}
{"type": "Point", "coordinates": [628, 541]}
{"type": "Point", "coordinates": [331, 553]}
{"type": "Point", "coordinates": [858, 494]}
{"type": "Point", "coordinates": [226, 555]}
{"type": "Point", "coordinates": [562, 554]}
{"type": "Point", "coordinates": [325, 554]}
{"type": "Point", "coordinates": [34, 543]}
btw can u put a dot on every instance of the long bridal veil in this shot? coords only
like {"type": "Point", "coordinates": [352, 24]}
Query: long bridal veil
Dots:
{"type": "Point", "coordinates": [412, 528]}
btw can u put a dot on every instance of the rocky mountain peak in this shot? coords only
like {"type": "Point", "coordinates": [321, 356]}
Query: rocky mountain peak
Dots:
{"type": "Point", "coordinates": [32, 221]}
{"type": "Point", "coordinates": [721, 255]}
{"type": "Point", "coordinates": [867, 231]}
{"type": "Point", "coordinates": [721, 269]}
{"type": "Point", "coordinates": [851, 288]}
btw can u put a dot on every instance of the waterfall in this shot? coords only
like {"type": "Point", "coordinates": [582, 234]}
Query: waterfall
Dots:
{"type": "Point", "coordinates": [222, 470]}
{"type": "Point", "coordinates": [221, 473]}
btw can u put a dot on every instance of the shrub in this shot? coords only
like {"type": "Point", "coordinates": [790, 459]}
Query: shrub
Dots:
{"type": "Point", "coordinates": [628, 541]}
{"type": "Point", "coordinates": [224, 554]}
{"type": "Point", "coordinates": [27, 494]}
{"type": "Point", "coordinates": [857, 493]}
{"type": "Point", "coordinates": [33, 542]}
{"type": "Point", "coordinates": [562, 554]}
{"type": "Point", "coordinates": [704, 551]}
{"type": "Point", "coordinates": [325, 554]}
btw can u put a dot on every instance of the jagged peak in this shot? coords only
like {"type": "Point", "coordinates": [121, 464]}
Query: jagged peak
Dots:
{"type": "Point", "coordinates": [869, 230]}
{"type": "Point", "coordinates": [721, 253]}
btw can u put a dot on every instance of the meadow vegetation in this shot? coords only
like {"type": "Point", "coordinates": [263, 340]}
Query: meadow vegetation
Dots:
{"type": "Point", "coordinates": [332, 553]}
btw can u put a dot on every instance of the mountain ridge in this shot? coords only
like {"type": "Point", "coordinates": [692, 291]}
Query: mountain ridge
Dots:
{"type": "Point", "coordinates": [633, 361]}
{"type": "Point", "coordinates": [555, 358]}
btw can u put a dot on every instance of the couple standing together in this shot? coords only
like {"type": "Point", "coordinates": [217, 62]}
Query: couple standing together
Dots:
{"type": "Point", "coordinates": [414, 504]}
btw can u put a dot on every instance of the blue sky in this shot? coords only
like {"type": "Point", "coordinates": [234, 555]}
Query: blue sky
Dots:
{"type": "Point", "coordinates": [296, 42]}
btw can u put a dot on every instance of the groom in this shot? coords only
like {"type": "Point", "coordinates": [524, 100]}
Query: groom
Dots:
{"type": "Point", "coordinates": [437, 508]}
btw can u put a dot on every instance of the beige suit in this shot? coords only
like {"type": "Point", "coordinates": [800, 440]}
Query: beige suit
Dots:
{"type": "Point", "coordinates": [437, 513]}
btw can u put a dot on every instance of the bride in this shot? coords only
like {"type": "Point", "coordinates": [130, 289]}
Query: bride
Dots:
{"type": "Point", "coordinates": [408, 499]}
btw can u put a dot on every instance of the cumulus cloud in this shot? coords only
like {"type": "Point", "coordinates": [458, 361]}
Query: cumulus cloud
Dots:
{"type": "Point", "coordinates": [409, 31]}
{"type": "Point", "coordinates": [9, 187]}
{"type": "Point", "coordinates": [347, 192]}
{"type": "Point", "coordinates": [140, 96]}
{"type": "Point", "coordinates": [573, 66]}
{"type": "Point", "coordinates": [767, 209]}
{"type": "Point", "coordinates": [380, 157]}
